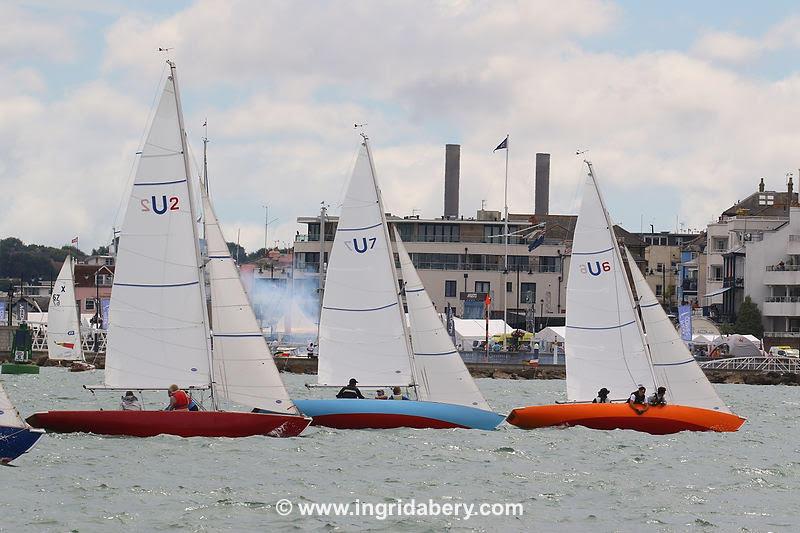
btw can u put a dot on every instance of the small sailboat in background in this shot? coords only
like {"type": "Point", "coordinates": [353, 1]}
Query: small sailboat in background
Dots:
{"type": "Point", "coordinates": [63, 321]}
{"type": "Point", "coordinates": [363, 332]}
{"type": "Point", "coordinates": [617, 342]}
{"type": "Point", "coordinates": [16, 437]}
{"type": "Point", "coordinates": [159, 330]}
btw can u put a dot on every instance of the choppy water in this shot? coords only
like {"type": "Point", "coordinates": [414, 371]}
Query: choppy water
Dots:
{"type": "Point", "coordinates": [567, 479]}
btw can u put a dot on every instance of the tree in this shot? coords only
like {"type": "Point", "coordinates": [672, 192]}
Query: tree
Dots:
{"type": "Point", "coordinates": [749, 320]}
{"type": "Point", "coordinates": [232, 249]}
{"type": "Point", "coordinates": [103, 250]}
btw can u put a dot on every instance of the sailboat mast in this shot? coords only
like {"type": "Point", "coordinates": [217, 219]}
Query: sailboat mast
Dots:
{"type": "Point", "coordinates": [618, 255]}
{"type": "Point", "coordinates": [193, 215]}
{"type": "Point", "coordinates": [391, 265]}
{"type": "Point", "coordinates": [505, 262]}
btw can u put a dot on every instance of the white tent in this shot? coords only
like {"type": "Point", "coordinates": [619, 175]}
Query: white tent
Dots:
{"type": "Point", "coordinates": [738, 345]}
{"type": "Point", "coordinates": [550, 335]}
{"type": "Point", "coordinates": [474, 330]}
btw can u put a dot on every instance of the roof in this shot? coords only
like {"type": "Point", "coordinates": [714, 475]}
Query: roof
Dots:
{"type": "Point", "coordinates": [85, 274]}
{"type": "Point", "coordinates": [762, 204]}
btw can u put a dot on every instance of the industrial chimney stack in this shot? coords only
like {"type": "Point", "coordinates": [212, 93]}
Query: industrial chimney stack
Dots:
{"type": "Point", "coordinates": [452, 170]}
{"type": "Point", "coordinates": [542, 187]}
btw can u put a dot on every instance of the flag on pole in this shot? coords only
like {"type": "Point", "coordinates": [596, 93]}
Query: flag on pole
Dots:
{"type": "Point", "coordinates": [488, 300]}
{"type": "Point", "coordinates": [75, 240]}
{"type": "Point", "coordinates": [503, 145]}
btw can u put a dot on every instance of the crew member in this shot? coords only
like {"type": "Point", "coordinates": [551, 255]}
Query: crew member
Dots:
{"type": "Point", "coordinates": [381, 395]}
{"type": "Point", "coordinates": [638, 400]}
{"type": "Point", "coordinates": [659, 398]}
{"type": "Point", "coordinates": [178, 400]}
{"type": "Point", "coordinates": [350, 391]}
{"type": "Point", "coordinates": [130, 402]}
{"type": "Point", "coordinates": [397, 394]}
{"type": "Point", "coordinates": [602, 396]}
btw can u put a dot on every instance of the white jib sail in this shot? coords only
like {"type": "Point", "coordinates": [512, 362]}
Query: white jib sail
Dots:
{"type": "Point", "coordinates": [63, 327]}
{"type": "Point", "coordinates": [675, 368]}
{"type": "Point", "coordinates": [603, 343]}
{"type": "Point", "coordinates": [9, 416]}
{"type": "Point", "coordinates": [362, 333]}
{"type": "Point", "coordinates": [157, 331]}
{"type": "Point", "coordinates": [441, 374]}
{"type": "Point", "coordinates": [243, 368]}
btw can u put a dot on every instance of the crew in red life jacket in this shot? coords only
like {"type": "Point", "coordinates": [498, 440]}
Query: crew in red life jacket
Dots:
{"type": "Point", "coordinates": [178, 400]}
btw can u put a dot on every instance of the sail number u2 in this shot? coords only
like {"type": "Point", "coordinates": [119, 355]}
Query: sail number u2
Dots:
{"type": "Point", "coordinates": [166, 204]}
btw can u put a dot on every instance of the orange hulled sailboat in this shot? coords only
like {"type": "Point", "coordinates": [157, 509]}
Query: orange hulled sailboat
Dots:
{"type": "Point", "coordinates": [618, 340]}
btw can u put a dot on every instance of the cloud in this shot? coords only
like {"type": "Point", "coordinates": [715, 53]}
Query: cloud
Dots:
{"type": "Point", "coordinates": [282, 84]}
{"type": "Point", "coordinates": [26, 34]}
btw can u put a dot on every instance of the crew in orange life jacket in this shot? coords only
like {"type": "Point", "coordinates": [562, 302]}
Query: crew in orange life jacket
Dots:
{"type": "Point", "coordinates": [178, 400]}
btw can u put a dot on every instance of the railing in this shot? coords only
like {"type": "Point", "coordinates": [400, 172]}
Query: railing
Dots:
{"type": "Point", "coordinates": [733, 282]}
{"type": "Point", "coordinates": [455, 239]}
{"type": "Point", "coordinates": [39, 339]}
{"type": "Point", "coordinates": [756, 364]}
{"type": "Point", "coordinates": [792, 333]}
{"type": "Point", "coordinates": [794, 238]}
{"type": "Point", "coordinates": [781, 268]}
{"type": "Point", "coordinates": [782, 299]}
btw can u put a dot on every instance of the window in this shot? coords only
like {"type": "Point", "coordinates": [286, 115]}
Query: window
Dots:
{"type": "Point", "coordinates": [482, 286]}
{"type": "Point", "coordinates": [548, 264]}
{"type": "Point", "coordinates": [509, 286]}
{"type": "Point", "coordinates": [406, 231]}
{"type": "Point", "coordinates": [109, 261]}
{"type": "Point", "coordinates": [439, 233]}
{"type": "Point", "coordinates": [89, 304]}
{"type": "Point", "coordinates": [490, 231]}
{"type": "Point", "coordinates": [658, 290]}
{"type": "Point", "coordinates": [313, 232]}
{"type": "Point", "coordinates": [719, 244]}
{"type": "Point", "coordinates": [527, 293]}
{"type": "Point", "coordinates": [450, 288]}
{"type": "Point", "coordinates": [715, 273]}
{"type": "Point", "coordinates": [659, 267]}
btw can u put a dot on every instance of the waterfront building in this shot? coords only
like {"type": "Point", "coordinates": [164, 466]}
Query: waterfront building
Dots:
{"type": "Point", "coordinates": [460, 259]}
{"type": "Point", "coordinates": [662, 260]}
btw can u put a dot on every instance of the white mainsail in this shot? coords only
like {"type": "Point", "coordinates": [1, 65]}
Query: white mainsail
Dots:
{"type": "Point", "coordinates": [158, 333]}
{"type": "Point", "coordinates": [603, 343]}
{"type": "Point", "coordinates": [9, 416]}
{"type": "Point", "coordinates": [63, 326]}
{"type": "Point", "coordinates": [675, 368]}
{"type": "Point", "coordinates": [243, 368]}
{"type": "Point", "coordinates": [362, 332]}
{"type": "Point", "coordinates": [441, 374]}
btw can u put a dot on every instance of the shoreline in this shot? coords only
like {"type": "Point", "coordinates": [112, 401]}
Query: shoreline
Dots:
{"type": "Point", "coordinates": [516, 371]}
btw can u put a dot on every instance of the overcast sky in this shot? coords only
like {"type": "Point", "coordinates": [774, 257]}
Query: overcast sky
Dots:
{"type": "Point", "coordinates": [683, 107]}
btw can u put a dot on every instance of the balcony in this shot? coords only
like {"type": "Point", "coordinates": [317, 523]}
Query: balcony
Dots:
{"type": "Point", "coordinates": [689, 286]}
{"type": "Point", "coordinates": [736, 283]}
{"type": "Point", "coordinates": [782, 334]}
{"type": "Point", "coordinates": [782, 275]}
{"type": "Point", "coordinates": [782, 306]}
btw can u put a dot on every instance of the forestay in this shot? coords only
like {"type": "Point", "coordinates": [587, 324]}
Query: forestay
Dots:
{"type": "Point", "coordinates": [362, 331]}
{"type": "Point", "coordinates": [243, 368]}
{"type": "Point", "coordinates": [9, 417]}
{"type": "Point", "coordinates": [603, 342]}
{"type": "Point", "coordinates": [63, 327]}
{"type": "Point", "coordinates": [675, 368]}
{"type": "Point", "coordinates": [441, 375]}
{"type": "Point", "coordinates": [157, 333]}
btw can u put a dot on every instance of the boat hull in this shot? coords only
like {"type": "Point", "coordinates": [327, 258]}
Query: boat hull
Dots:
{"type": "Point", "coordinates": [388, 414]}
{"type": "Point", "coordinates": [15, 441]}
{"type": "Point", "coordinates": [657, 420]}
{"type": "Point", "coordinates": [179, 423]}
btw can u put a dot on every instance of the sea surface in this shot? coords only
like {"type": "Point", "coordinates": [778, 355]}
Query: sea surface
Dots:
{"type": "Point", "coordinates": [566, 479]}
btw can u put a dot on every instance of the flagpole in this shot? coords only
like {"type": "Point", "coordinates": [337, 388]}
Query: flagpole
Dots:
{"type": "Point", "coordinates": [505, 264]}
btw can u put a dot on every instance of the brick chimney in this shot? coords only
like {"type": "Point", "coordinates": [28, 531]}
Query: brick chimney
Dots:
{"type": "Point", "coordinates": [761, 186]}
